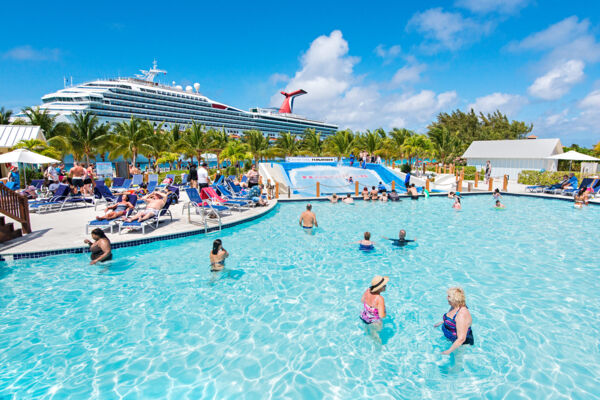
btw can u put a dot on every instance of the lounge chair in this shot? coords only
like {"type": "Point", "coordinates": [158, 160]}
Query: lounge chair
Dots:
{"type": "Point", "coordinates": [137, 180]}
{"type": "Point", "coordinates": [59, 201]}
{"type": "Point", "coordinates": [117, 183]}
{"type": "Point", "coordinates": [229, 196]}
{"type": "Point", "coordinates": [37, 183]}
{"type": "Point", "coordinates": [125, 186]}
{"type": "Point", "coordinates": [151, 186]}
{"type": "Point", "coordinates": [210, 194]}
{"type": "Point", "coordinates": [199, 204]}
{"type": "Point", "coordinates": [111, 223]}
{"type": "Point", "coordinates": [585, 183]}
{"type": "Point", "coordinates": [151, 222]}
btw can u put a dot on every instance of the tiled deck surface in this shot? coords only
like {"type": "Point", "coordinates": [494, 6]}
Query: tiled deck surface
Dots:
{"type": "Point", "coordinates": [66, 229]}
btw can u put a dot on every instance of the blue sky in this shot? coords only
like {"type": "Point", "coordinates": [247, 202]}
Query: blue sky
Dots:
{"type": "Point", "coordinates": [365, 65]}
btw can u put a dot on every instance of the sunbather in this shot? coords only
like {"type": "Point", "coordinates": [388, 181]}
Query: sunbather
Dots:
{"type": "Point", "coordinates": [117, 210]}
{"type": "Point", "coordinates": [254, 194]}
{"type": "Point", "coordinates": [155, 202]}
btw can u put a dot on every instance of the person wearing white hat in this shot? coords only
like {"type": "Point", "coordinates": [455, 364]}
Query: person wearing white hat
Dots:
{"type": "Point", "coordinates": [373, 303]}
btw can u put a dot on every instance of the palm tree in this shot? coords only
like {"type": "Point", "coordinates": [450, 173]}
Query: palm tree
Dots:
{"type": "Point", "coordinates": [131, 139]}
{"type": "Point", "coordinates": [417, 146]}
{"type": "Point", "coordinates": [445, 143]}
{"type": "Point", "coordinates": [370, 141]}
{"type": "Point", "coordinates": [195, 141]}
{"type": "Point", "coordinates": [40, 147]}
{"type": "Point", "coordinates": [235, 152]}
{"type": "Point", "coordinates": [219, 140]}
{"type": "Point", "coordinates": [5, 116]}
{"type": "Point", "coordinates": [158, 143]}
{"type": "Point", "coordinates": [85, 138]}
{"type": "Point", "coordinates": [287, 144]}
{"type": "Point", "coordinates": [46, 121]}
{"type": "Point", "coordinates": [340, 144]}
{"type": "Point", "coordinates": [258, 144]}
{"type": "Point", "coordinates": [397, 137]}
{"type": "Point", "coordinates": [312, 142]}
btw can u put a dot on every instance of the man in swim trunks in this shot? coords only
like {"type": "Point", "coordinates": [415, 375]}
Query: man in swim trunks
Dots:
{"type": "Point", "coordinates": [348, 199]}
{"type": "Point", "coordinates": [156, 201]}
{"type": "Point", "coordinates": [402, 240]}
{"type": "Point", "coordinates": [412, 191]}
{"type": "Point", "coordinates": [394, 196]}
{"type": "Point", "coordinates": [76, 175]}
{"type": "Point", "coordinates": [308, 219]}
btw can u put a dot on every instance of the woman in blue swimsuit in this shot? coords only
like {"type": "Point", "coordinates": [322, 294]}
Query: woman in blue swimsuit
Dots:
{"type": "Point", "coordinates": [456, 323]}
{"type": "Point", "coordinates": [366, 243]}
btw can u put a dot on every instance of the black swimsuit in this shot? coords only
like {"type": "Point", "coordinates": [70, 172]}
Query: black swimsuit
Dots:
{"type": "Point", "coordinates": [97, 252]}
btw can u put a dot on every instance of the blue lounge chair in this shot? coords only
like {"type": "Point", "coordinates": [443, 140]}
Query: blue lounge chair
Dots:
{"type": "Point", "coordinates": [37, 183]}
{"type": "Point", "coordinates": [125, 186]}
{"type": "Point", "coordinates": [225, 193]}
{"type": "Point", "coordinates": [137, 180]}
{"type": "Point", "coordinates": [151, 222]}
{"type": "Point", "coordinates": [151, 186]}
{"type": "Point", "coordinates": [117, 183]}
{"type": "Point", "coordinates": [111, 223]}
{"type": "Point", "coordinates": [59, 201]}
{"type": "Point", "coordinates": [152, 178]}
{"type": "Point", "coordinates": [104, 195]}
{"type": "Point", "coordinates": [198, 204]}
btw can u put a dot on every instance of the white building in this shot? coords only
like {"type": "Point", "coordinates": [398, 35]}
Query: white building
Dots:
{"type": "Point", "coordinates": [510, 157]}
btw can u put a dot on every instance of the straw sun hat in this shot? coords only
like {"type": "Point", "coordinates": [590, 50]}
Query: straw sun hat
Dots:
{"type": "Point", "coordinates": [378, 282]}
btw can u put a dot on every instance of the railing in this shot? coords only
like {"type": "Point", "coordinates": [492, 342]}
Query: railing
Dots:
{"type": "Point", "coordinates": [15, 206]}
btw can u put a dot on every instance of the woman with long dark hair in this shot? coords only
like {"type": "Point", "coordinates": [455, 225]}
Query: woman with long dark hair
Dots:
{"type": "Point", "coordinates": [218, 256]}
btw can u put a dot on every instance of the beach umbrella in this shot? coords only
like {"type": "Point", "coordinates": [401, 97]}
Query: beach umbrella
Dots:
{"type": "Point", "coordinates": [25, 156]}
{"type": "Point", "coordinates": [573, 155]}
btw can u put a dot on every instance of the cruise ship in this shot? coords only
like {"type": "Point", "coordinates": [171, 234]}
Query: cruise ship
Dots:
{"type": "Point", "coordinates": [115, 100]}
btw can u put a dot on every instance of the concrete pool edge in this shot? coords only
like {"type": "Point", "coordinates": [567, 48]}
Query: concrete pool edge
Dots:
{"type": "Point", "coordinates": [135, 242]}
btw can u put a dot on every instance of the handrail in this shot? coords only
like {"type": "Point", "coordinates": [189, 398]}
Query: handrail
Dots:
{"type": "Point", "coordinates": [15, 206]}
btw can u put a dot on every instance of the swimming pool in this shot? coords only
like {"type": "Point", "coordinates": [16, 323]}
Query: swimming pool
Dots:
{"type": "Point", "coordinates": [283, 321]}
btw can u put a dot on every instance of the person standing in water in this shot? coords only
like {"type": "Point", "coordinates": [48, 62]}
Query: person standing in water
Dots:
{"type": "Point", "coordinates": [100, 249]}
{"type": "Point", "coordinates": [402, 240]}
{"type": "Point", "coordinates": [308, 219]}
{"type": "Point", "coordinates": [366, 243]}
{"type": "Point", "coordinates": [373, 311]}
{"type": "Point", "coordinates": [218, 256]}
{"type": "Point", "coordinates": [456, 323]}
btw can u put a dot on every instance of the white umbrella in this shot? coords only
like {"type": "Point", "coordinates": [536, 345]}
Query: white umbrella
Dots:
{"type": "Point", "coordinates": [573, 156]}
{"type": "Point", "coordinates": [26, 157]}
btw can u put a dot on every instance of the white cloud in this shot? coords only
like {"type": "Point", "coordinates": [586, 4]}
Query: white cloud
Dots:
{"type": "Point", "coordinates": [592, 100]}
{"type": "Point", "coordinates": [558, 81]}
{"type": "Point", "coordinates": [486, 6]}
{"type": "Point", "coordinates": [447, 29]}
{"type": "Point", "coordinates": [508, 104]}
{"type": "Point", "coordinates": [276, 78]}
{"type": "Point", "coordinates": [336, 94]}
{"type": "Point", "coordinates": [28, 53]}
{"type": "Point", "coordinates": [388, 54]}
{"type": "Point", "coordinates": [567, 39]}
{"type": "Point", "coordinates": [408, 74]}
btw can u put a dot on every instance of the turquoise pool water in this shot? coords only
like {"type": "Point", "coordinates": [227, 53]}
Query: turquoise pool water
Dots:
{"type": "Point", "coordinates": [283, 321]}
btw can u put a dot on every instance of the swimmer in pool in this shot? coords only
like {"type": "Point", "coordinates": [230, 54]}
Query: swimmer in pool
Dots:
{"type": "Point", "coordinates": [384, 197]}
{"type": "Point", "coordinates": [218, 256]}
{"type": "Point", "coordinates": [308, 219]}
{"type": "Point", "coordinates": [334, 198]}
{"type": "Point", "coordinates": [457, 205]}
{"type": "Point", "coordinates": [402, 240]}
{"type": "Point", "coordinates": [499, 205]}
{"type": "Point", "coordinates": [373, 311]}
{"type": "Point", "coordinates": [582, 197]}
{"type": "Point", "coordinates": [374, 193]}
{"type": "Point", "coordinates": [365, 193]}
{"type": "Point", "coordinates": [456, 323]}
{"type": "Point", "coordinates": [451, 195]}
{"type": "Point", "coordinates": [366, 243]}
{"type": "Point", "coordinates": [348, 199]}
{"type": "Point", "coordinates": [497, 194]}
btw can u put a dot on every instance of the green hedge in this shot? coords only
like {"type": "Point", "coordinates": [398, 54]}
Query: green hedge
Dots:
{"type": "Point", "coordinates": [527, 177]}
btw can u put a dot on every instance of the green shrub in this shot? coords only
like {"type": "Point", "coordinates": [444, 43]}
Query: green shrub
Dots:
{"type": "Point", "coordinates": [405, 168]}
{"type": "Point", "coordinates": [528, 177]}
{"type": "Point", "coordinates": [30, 174]}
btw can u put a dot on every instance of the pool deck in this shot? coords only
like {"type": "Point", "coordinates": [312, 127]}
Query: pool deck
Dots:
{"type": "Point", "coordinates": [64, 232]}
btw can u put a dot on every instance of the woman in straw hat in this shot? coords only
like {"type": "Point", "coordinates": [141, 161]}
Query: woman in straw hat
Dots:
{"type": "Point", "coordinates": [373, 304]}
{"type": "Point", "coordinates": [456, 323]}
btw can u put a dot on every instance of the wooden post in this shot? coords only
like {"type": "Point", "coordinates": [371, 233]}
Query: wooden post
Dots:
{"type": "Point", "coordinates": [276, 190]}
{"type": "Point", "coordinates": [356, 188]}
{"type": "Point", "coordinates": [476, 178]}
{"type": "Point", "coordinates": [259, 180]}
{"type": "Point", "coordinates": [393, 185]}
{"type": "Point", "coordinates": [318, 189]}
{"type": "Point", "coordinates": [491, 184]}
{"type": "Point", "coordinates": [427, 184]}
{"type": "Point", "coordinates": [505, 184]}
{"type": "Point", "coordinates": [445, 169]}
{"type": "Point", "coordinates": [462, 173]}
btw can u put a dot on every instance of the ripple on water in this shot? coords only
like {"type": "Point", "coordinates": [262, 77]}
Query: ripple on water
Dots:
{"type": "Point", "coordinates": [282, 320]}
